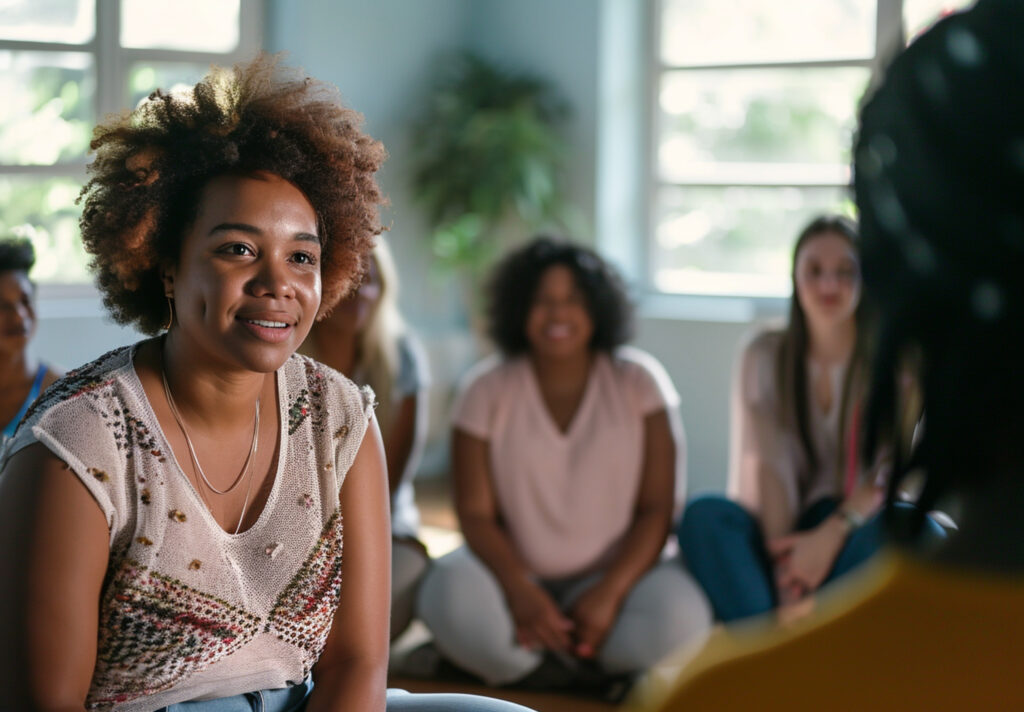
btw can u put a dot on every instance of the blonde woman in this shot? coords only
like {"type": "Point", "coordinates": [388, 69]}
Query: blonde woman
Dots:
{"type": "Point", "coordinates": [366, 338]}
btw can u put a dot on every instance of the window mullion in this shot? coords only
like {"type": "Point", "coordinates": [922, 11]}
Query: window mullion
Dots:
{"type": "Point", "coordinates": [888, 32]}
{"type": "Point", "coordinates": [110, 89]}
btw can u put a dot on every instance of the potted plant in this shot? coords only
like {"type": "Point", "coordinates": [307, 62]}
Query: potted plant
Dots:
{"type": "Point", "coordinates": [487, 161]}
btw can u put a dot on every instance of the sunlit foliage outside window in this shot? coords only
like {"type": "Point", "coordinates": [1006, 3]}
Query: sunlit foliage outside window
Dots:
{"type": "Point", "coordinates": [63, 65]}
{"type": "Point", "coordinates": [755, 108]}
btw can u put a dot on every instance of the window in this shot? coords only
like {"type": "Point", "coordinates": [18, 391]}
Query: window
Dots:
{"type": "Point", "coordinates": [64, 64]}
{"type": "Point", "coordinates": [755, 109]}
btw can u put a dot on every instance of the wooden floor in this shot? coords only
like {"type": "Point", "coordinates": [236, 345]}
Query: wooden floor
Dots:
{"type": "Point", "coordinates": [440, 534]}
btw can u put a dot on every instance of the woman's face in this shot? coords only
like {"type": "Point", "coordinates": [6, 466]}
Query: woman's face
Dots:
{"type": "Point", "coordinates": [827, 275]}
{"type": "Point", "coordinates": [558, 323]}
{"type": "Point", "coordinates": [353, 312]}
{"type": "Point", "coordinates": [247, 285]}
{"type": "Point", "coordinates": [17, 311]}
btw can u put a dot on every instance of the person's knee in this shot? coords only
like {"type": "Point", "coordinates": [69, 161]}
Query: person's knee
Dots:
{"type": "Point", "coordinates": [456, 586]}
{"type": "Point", "coordinates": [708, 514]}
{"type": "Point", "coordinates": [666, 611]}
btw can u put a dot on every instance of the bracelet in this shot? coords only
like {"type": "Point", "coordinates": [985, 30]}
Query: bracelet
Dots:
{"type": "Point", "coordinates": [851, 518]}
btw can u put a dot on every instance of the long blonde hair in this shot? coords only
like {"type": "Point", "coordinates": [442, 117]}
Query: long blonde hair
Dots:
{"type": "Point", "coordinates": [377, 356]}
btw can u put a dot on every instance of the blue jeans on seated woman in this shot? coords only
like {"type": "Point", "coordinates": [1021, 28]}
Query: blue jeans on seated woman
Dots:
{"type": "Point", "coordinates": [294, 699]}
{"type": "Point", "coordinates": [724, 550]}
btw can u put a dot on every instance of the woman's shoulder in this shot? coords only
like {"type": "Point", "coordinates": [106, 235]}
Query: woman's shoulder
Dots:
{"type": "Point", "coordinates": [630, 359]}
{"type": "Point", "coordinates": [103, 377]}
{"type": "Point", "coordinates": [308, 379]}
{"type": "Point", "coordinates": [92, 408]}
{"type": "Point", "coordinates": [492, 372]}
{"type": "Point", "coordinates": [640, 370]}
{"type": "Point", "coordinates": [757, 367]}
{"type": "Point", "coordinates": [763, 343]}
{"type": "Point", "coordinates": [413, 369]}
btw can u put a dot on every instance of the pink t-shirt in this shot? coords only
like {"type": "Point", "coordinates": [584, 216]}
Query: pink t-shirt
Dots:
{"type": "Point", "coordinates": [567, 499]}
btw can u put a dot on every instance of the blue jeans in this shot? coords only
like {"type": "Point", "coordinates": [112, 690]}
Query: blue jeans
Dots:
{"type": "Point", "coordinates": [294, 699]}
{"type": "Point", "coordinates": [725, 551]}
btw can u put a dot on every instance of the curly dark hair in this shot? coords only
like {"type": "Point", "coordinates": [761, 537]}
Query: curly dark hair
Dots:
{"type": "Point", "coordinates": [152, 164]}
{"type": "Point", "coordinates": [16, 255]}
{"type": "Point", "coordinates": [513, 285]}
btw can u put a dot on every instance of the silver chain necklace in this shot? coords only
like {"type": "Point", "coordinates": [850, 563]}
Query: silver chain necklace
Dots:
{"type": "Point", "coordinates": [195, 460]}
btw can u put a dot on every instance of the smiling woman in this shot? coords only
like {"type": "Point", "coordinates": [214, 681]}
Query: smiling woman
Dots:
{"type": "Point", "coordinates": [567, 458]}
{"type": "Point", "coordinates": [802, 506]}
{"type": "Point", "coordinates": [176, 506]}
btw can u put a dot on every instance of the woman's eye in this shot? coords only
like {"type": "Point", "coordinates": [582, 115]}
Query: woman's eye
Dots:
{"type": "Point", "coordinates": [305, 258]}
{"type": "Point", "coordinates": [238, 249]}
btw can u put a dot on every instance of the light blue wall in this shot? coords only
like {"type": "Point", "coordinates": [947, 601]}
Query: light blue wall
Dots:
{"type": "Point", "coordinates": [557, 40]}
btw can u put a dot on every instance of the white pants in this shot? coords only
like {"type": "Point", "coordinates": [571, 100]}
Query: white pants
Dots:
{"type": "Point", "coordinates": [408, 564]}
{"type": "Point", "coordinates": [462, 603]}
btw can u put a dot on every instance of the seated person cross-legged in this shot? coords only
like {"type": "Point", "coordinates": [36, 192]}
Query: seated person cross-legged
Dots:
{"type": "Point", "coordinates": [565, 472]}
{"type": "Point", "coordinates": [802, 506]}
{"type": "Point", "coordinates": [939, 180]}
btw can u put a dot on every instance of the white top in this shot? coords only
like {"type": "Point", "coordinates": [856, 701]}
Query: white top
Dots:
{"type": "Point", "coordinates": [188, 611]}
{"type": "Point", "coordinates": [761, 434]}
{"type": "Point", "coordinates": [567, 499]}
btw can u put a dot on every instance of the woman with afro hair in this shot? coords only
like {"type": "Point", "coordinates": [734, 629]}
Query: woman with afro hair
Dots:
{"type": "Point", "coordinates": [567, 451]}
{"type": "Point", "coordinates": [172, 512]}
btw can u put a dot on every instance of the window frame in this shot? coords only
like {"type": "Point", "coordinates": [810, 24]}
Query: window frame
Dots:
{"type": "Point", "coordinates": [112, 64]}
{"type": "Point", "coordinates": [889, 33]}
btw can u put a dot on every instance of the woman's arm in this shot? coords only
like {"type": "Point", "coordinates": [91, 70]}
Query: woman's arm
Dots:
{"type": "Point", "coordinates": [539, 622]}
{"type": "Point", "coordinates": [596, 610]}
{"type": "Point", "coordinates": [756, 435]}
{"type": "Point", "coordinates": [804, 559]}
{"type": "Point", "coordinates": [352, 671]}
{"type": "Point", "coordinates": [407, 433]}
{"type": "Point", "coordinates": [55, 545]}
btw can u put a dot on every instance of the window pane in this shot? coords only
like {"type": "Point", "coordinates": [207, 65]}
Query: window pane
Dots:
{"type": "Point", "coordinates": [733, 240]}
{"type": "Point", "coordinates": [702, 32]}
{"type": "Point", "coordinates": [918, 15]}
{"type": "Point", "coordinates": [756, 119]}
{"type": "Point", "coordinates": [47, 112]}
{"type": "Point", "coordinates": [44, 210]}
{"type": "Point", "coordinates": [197, 25]}
{"type": "Point", "coordinates": [71, 21]}
{"type": "Point", "coordinates": [144, 77]}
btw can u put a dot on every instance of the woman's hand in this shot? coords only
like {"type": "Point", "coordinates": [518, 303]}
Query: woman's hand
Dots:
{"type": "Point", "coordinates": [803, 559]}
{"type": "Point", "coordinates": [594, 613]}
{"type": "Point", "coordinates": [539, 621]}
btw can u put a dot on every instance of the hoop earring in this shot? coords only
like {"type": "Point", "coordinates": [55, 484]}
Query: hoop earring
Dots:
{"type": "Point", "coordinates": [170, 313]}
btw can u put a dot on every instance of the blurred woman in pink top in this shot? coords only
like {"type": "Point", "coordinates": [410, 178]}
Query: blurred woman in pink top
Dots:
{"type": "Point", "coordinates": [567, 458]}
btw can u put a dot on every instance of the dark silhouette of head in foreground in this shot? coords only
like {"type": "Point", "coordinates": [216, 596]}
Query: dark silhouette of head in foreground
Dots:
{"type": "Point", "coordinates": [939, 167]}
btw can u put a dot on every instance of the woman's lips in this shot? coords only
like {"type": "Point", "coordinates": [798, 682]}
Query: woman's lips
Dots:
{"type": "Point", "coordinates": [269, 330]}
{"type": "Point", "coordinates": [557, 332]}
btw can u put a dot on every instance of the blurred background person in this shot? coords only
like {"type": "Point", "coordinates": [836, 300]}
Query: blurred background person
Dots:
{"type": "Point", "coordinates": [22, 377]}
{"type": "Point", "coordinates": [366, 338]}
{"type": "Point", "coordinates": [801, 503]}
{"type": "Point", "coordinates": [938, 181]}
{"type": "Point", "coordinates": [565, 473]}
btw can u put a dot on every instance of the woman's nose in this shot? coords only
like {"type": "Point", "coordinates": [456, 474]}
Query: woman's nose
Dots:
{"type": "Point", "coordinates": [273, 279]}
